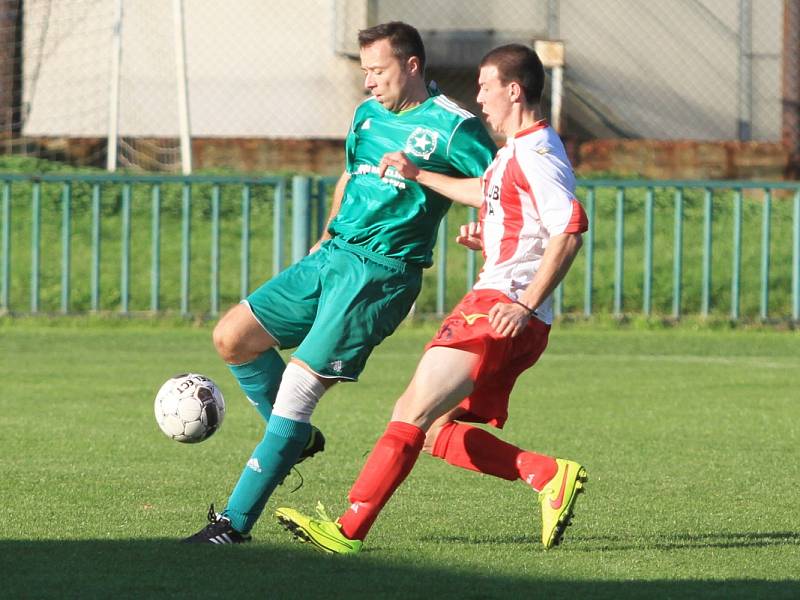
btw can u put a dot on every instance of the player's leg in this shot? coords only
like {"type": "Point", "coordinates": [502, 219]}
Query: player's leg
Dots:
{"type": "Point", "coordinates": [279, 313]}
{"type": "Point", "coordinates": [252, 356]}
{"type": "Point", "coordinates": [360, 303]}
{"type": "Point", "coordinates": [286, 437]}
{"type": "Point", "coordinates": [558, 481]}
{"type": "Point", "coordinates": [284, 442]}
{"type": "Point", "coordinates": [286, 309]}
{"type": "Point", "coordinates": [433, 431]}
{"type": "Point", "coordinates": [476, 449]}
{"type": "Point", "coordinates": [503, 359]}
{"type": "Point", "coordinates": [442, 379]}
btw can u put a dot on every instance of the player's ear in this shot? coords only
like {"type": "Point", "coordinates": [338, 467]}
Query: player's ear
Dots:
{"type": "Point", "coordinates": [514, 92]}
{"type": "Point", "coordinates": [413, 66]}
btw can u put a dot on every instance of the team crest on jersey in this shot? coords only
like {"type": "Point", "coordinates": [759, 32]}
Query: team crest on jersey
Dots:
{"type": "Point", "coordinates": [422, 142]}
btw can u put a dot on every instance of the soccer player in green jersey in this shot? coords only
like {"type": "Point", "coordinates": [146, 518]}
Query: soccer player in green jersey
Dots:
{"type": "Point", "coordinates": [359, 282]}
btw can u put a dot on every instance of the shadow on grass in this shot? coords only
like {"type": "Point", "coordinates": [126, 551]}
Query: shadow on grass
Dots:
{"type": "Point", "coordinates": [676, 541]}
{"type": "Point", "coordinates": [164, 568]}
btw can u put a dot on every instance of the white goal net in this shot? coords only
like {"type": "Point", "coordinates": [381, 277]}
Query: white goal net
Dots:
{"type": "Point", "coordinates": [83, 77]}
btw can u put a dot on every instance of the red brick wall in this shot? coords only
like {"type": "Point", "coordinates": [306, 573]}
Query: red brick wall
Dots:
{"type": "Point", "coordinates": [655, 159]}
{"type": "Point", "coordinates": [651, 159]}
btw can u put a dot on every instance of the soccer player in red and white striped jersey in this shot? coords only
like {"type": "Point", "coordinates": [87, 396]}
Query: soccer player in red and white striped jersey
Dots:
{"type": "Point", "coordinates": [529, 230]}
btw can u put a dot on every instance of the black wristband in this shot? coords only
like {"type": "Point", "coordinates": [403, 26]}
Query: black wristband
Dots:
{"type": "Point", "coordinates": [531, 311]}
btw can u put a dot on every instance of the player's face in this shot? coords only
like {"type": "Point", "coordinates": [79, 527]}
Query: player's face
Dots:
{"type": "Point", "coordinates": [385, 76]}
{"type": "Point", "coordinates": [494, 98]}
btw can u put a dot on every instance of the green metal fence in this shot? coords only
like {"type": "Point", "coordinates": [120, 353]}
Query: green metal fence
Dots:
{"type": "Point", "coordinates": [72, 243]}
{"type": "Point", "coordinates": [712, 201]}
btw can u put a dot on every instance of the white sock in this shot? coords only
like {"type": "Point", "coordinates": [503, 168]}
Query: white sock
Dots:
{"type": "Point", "coordinates": [298, 394]}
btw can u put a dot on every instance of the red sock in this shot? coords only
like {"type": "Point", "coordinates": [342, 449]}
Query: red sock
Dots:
{"type": "Point", "coordinates": [478, 450]}
{"type": "Point", "coordinates": [389, 463]}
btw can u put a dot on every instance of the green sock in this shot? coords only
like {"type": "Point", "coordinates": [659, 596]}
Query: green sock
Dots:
{"type": "Point", "coordinates": [260, 379]}
{"type": "Point", "coordinates": [271, 460]}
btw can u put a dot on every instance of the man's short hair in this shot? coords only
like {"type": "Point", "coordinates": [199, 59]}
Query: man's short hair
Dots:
{"type": "Point", "coordinates": [516, 62]}
{"type": "Point", "coordinates": [403, 38]}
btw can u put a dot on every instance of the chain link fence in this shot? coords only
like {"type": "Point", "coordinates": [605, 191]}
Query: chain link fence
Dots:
{"type": "Point", "coordinates": [74, 73]}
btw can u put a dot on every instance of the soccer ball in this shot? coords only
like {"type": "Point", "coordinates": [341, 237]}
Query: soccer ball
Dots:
{"type": "Point", "coordinates": [189, 408]}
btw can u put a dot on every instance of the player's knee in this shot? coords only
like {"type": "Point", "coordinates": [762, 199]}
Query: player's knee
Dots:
{"type": "Point", "coordinates": [230, 343]}
{"type": "Point", "coordinates": [412, 415]}
{"type": "Point", "coordinates": [223, 341]}
{"type": "Point", "coordinates": [412, 409]}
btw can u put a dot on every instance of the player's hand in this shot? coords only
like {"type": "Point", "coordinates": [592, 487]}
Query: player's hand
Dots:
{"type": "Point", "coordinates": [508, 319]}
{"type": "Point", "coordinates": [325, 237]}
{"type": "Point", "coordinates": [401, 164]}
{"type": "Point", "coordinates": [470, 236]}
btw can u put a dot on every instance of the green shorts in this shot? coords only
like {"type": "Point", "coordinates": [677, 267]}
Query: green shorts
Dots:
{"type": "Point", "coordinates": [336, 305]}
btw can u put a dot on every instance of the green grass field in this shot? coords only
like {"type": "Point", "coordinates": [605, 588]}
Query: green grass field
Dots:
{"type": "Point", "coordinates": [690, 438]}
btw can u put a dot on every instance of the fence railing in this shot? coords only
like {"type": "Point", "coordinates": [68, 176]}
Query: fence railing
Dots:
{"type": "Point", "coordinates": [734, 201]}
{"type": "Point", "coordinates": [132, 243]}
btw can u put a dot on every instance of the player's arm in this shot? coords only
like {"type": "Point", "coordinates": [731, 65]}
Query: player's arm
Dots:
{"type": "Point", "coordinates": [338, 194]}
{"type": "Point", "coordinates": [510, 319]}
{"type": "Point", "coordinates": [556, 261]}
{"type": "Point", "coordinates": [461, 190]}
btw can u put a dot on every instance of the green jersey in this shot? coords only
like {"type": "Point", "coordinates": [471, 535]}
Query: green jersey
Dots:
{"type": "Point", "coordinates": [393, 216]}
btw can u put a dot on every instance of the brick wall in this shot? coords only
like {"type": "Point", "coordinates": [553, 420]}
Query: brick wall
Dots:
{"type": "Point", "coordinates": [654, 159]}
{"type": "Point", "coordinates": [651, 159]}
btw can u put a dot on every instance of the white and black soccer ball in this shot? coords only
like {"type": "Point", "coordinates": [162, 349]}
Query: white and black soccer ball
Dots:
{"type": "Point", "coordinates": [189, 408]}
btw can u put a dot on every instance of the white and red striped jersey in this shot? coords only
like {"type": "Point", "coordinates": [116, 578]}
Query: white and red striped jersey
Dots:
{"type": "Point", "coordinates": [529, 197]}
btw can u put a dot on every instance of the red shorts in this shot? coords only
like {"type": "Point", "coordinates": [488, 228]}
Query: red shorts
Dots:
{"type": "Point", "coordinates": [502, 359]}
